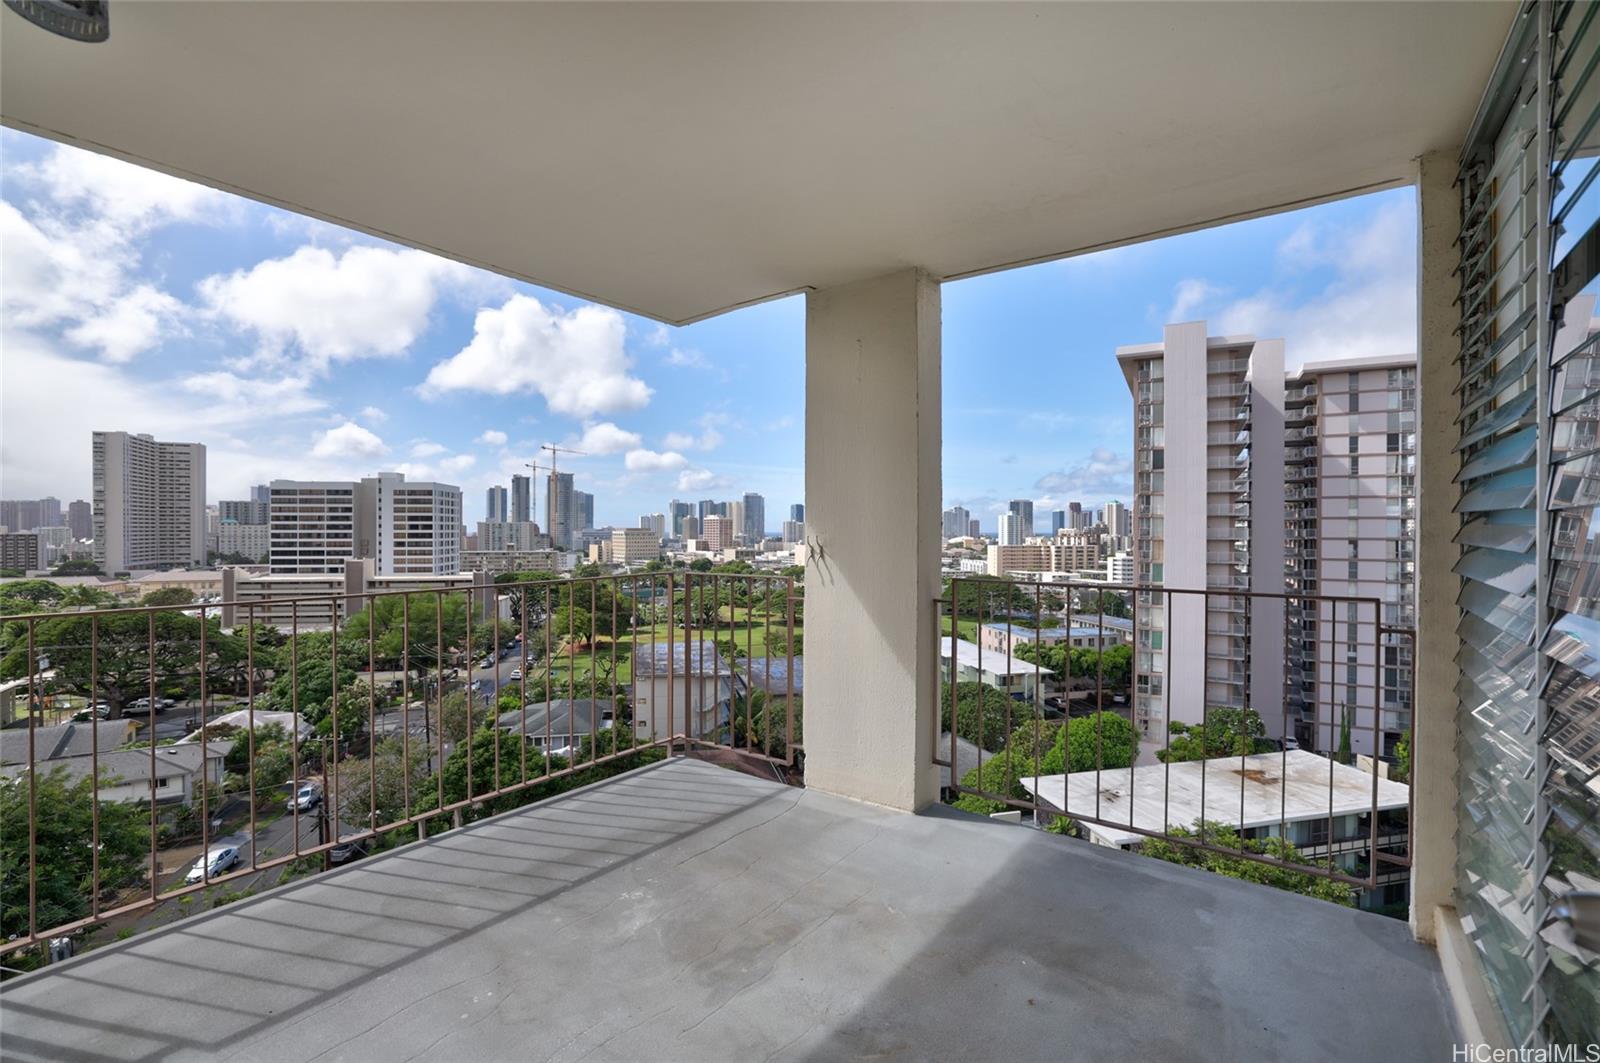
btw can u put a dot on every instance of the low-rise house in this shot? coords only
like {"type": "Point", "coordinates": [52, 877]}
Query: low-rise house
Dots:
{"type": "Point", "coordinates": [64, 740]}
{"type": "Point", "coordinates": [125, 774]}
{"type": "Point", "coordinates": [1003, 671]}
{"type": "Point", "coordinates": [557, 726]}
{"type": "Point", "coordinates": [1086, 632]}
{"type": "Point", "coordinates": [682, 688]}
{"type": "Point", "coordinates": [263, 718]}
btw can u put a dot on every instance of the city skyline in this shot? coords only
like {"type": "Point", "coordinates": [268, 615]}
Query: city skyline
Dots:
{"type": "Point", "coordinates": [293, 348]}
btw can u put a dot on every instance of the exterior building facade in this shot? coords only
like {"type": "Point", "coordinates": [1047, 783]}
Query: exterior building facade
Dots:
{"type": "Point", "coordinates": [496, 505]}
{"type": "Point", "coordinates": [1012, 530]}
{"type": "Point", "coordinates": [583, 506]}
{"type": "Point", "coordinates": [1208, 462]}
{"type": "Point", "coordinates": [1023, 508]}
{"type": "Point", "coordinates": [419, 526]}
{"type": "Point", "coordinates": [797, 512]}
{"type": "Point", "coordinates": [244, 540]}
{"type": "Point", "coordinates": [957, 522]}
{"type": "Point", "coordinates": [755, 517]}
{"type": "Point", "coordinates": [559, 518]}
{"type": "Point", "coordinates": [717, 532]}
{"type": "Point", "coordinates": [1350, 528]}
{"type": "Point", "coordinates": [656, 522]}
{"type": "Point", "coordinates": [676, 512]}
{"type": "Point", "coordinates": [510, 535]}
{"type": "Point", "coordinates": [1044, 555]}
{"type": "Point", "coordinates": [149, 502]}
{"type": "Point", "coordinates": [80, 519]}
{"type": "Point", "coordinates": [634, 546]}
{"type": "Point", "coordinates": [313, 527]}
{"type": "Point", "coordinates": [794, 531]}
{"type": "Point", "coordinates": [19, 550]}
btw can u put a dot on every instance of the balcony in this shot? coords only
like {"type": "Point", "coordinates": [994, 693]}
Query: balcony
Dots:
{"type": "Point", "coordinates": [688, 912]}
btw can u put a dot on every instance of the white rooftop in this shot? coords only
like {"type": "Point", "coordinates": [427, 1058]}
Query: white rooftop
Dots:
{"type": "Point", "coordinates": [1277, 787]}
{"type": "Point", "coordinates": [993, 662]}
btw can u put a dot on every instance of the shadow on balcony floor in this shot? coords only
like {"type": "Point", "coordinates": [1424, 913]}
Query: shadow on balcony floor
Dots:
{"type": "Point", "coordinates": [687, 912]}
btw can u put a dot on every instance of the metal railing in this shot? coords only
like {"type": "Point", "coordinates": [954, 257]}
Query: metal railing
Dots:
{"type": "Point", "coordinates": [1126, 796]}
{"type": "Point", "coordinates": [409, 713]}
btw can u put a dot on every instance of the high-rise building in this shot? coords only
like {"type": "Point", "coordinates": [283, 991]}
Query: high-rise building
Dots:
{"type": "Point", "coordinates": [1350, 501]}
{"type": "Point", "coordinates": [707, 507]}
{"type": "Point", "coordinates": [956, 522]}
{"type": "Point", "coordinates": [735, 515]}
{"type": "Point", "coordinates": [19, 551]}
{"type": "Point", "coordinates": [1118, 521]}
{"type": "Point", "coordinates": [496, 505]}
{"type": "Point", "coordinates": [509, 535]}
{"type": "Point", "coordinates": [583, 508]}
{"type": "Point", "coordinates": [50, 512]}
{"type": "Point", "coordinates": [797, 512]}
{"type": "Point", "coordinates": [559, 517]}
{"type": "Point", "coordinates": [1058, 520]}
{"type": "Point", "coordinates": [755, 517]}
{"type": "Point", "coordinates": [1012, 529]}
{"type": "Point", "coordinates": [717, 532]}
{"type": "Point", "coordinates": [794, 531]}
{"type": "Point", "coordinates": [246, 510]}
{"type": "Point", "coordinates": [974, 529]}
{"type": "Point", "coordinates": [313, 527]}
{"type": "Point", "coordinates": [1119, 569]}
{"type": "Point", "coordinates": [20, 514]}
{"type": "Point", "coordinates": [1208, 507]}
{"type": "Point", "coordinates": [635, 546]}
{"type": "Point", "coordinates": [521, 499]}
{"type": "Point", "coordinates": [690, 527]}
{"type": "Point", "coordinates": [149, 507]}
{"type": "Point", "coordinates": [1023, 508]}
{"type": "Point", "coordinates": [656, 522]}
{"type": "Point", "coordinates": [676, 513]}
{"type": "Point", "coordinates": [80, 519]}
{"type": "Point", "coordinates": [1076, 518]}
{"type": "Point", "coordinates": [405, 527]}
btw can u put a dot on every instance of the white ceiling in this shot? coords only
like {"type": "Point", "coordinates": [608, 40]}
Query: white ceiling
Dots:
{"type": "Point", "coordinates": [680, 160]}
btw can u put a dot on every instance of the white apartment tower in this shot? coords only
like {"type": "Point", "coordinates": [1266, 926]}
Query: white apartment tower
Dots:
{"type": "Point", "coordinates": [558, 505]}
{"type": "Point", "coordinates": [956, 522]}
{"type": "Point", "coordinates": [405, 527]}
{"type": "Point", "coordinates": [1208, 467]}
{"type": "Point", "coordinates": [1350, 525]}
{"type": "Point", "coordinates": [149, 502]}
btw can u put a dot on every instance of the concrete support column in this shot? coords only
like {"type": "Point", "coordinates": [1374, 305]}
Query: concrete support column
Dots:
{"type": "Point", "coordinates": [1433, 778]}
{"type": "Point", "coordinates": [873, 488]}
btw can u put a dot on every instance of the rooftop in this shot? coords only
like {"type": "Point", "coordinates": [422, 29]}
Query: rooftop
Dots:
{"type": "Point", "coordinates": [969, 655]}
{"type": "Point", "coordinates": [687, 912]}
{"type": "Point", "coordinates": [1276, 787]}
{"type": "Point", "coordinates": [62, 740]}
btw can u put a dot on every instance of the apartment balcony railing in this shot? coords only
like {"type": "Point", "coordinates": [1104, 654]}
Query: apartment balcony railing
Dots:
{"type": "Point", "coordinates": [1106, 797]}
{"type": "Point", "coordinates": [445, 701]}
{"type": "Point", "coordinates": [1227, 390]}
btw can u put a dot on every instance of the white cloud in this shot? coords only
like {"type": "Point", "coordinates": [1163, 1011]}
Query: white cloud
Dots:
{"type": "Point", "coordinates": [493, 437]}
{"type": "Point", "coordinates": [262, 397]}
{"type": "Point", "coordinates": [700, 480]}
{"type": "Point", "coordinates": [678, 441]}
{"type": "Point", "coordinates": [348, 442]}
{"type": "Point", "coordinates": [458, 463]}
{"type": "Point", "coordinates": [576, 360]}
{"type": "Point", "coordinates": [368, 302]}
{"type": "Point", "coordinates": [710, 438]}
{"type": "Point", "coordinates": [1367, 307]}
{"type": "Point", "coordinates": [603, 437]}
{"type": "Point", "coordinates": [1102, 474]}
{"type": "Point", "coordinates": [779, 424]}
{"type": "Point", "coordinates": [1189, 296]}
{"type": "Point", "coordinates": [427, 448]}
{"type": "Point", "coordinates": [654, 461]}
{"type": "Point", "coordinates": [681, 358]}
{"type": "Point", "coordinates": [71, 260]}
{"type": "Point", "coordinates": [373, 414]}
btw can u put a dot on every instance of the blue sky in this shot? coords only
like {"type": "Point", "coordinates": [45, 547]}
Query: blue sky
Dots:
{"type": "Point", "coordinates": [297, 349]}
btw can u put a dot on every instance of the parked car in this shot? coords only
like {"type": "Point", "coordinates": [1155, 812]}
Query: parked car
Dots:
{"type": "Point", "coordinates": [487, 662]}
{"type": "Point", "coordinates": [216, 862]}
{"type": "Point", "coordinates": [307, 797]}
{"type": "Point", "coordinates": [345, 852]}
{"type": "Point", "coordinates": [516, 674]}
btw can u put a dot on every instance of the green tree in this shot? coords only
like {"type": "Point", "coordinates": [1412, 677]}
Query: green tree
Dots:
{"type": "Point", "coordinates": [1223, 836]}
{"type": "Point", "coordinates": [132, 650]}
{"type": "Point", "coordinates": [169, 596]}
{"type": "Point", "coordinates": [381, 781]}
{"type": "Point", "coordinates": [984, 716]}
{"type": "Point", "coordinates": [989, 596]}
{"type": "Point", "coordinates": [77, 567]}
{"type": "Point", "coordinates": [64, 850]}
{"type": "Point", "coordinates": [407, 634]}
{"type": "Point", "coordinates": [1096, 603]}
{"type": "Point", "coordinates": [1344, 756]}
{"type": "Point", "coordinates": [1226, 733]}
{"type": "Point", "coordinates": [1401, 771]}
{"type": "Point", "coordinates": [38, 592]}
{"type": "Point", "coordinates": [273, 761]}
{"type": "Point", "coordinates": [701, 564]}
{"type": "Point", "coordinates": [572, 622]}
{"type": "Point", "coordinates": [1101, 740]}
{"type": "Point", "coordinates": [308, 669]}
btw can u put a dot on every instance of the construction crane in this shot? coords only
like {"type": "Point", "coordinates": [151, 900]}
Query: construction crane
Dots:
{"type": "Point", "coordinates": [533, 489]}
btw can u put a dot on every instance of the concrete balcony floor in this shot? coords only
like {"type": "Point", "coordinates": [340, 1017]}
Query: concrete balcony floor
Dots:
{"type": "Point", "coordinates": [688, 912]}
